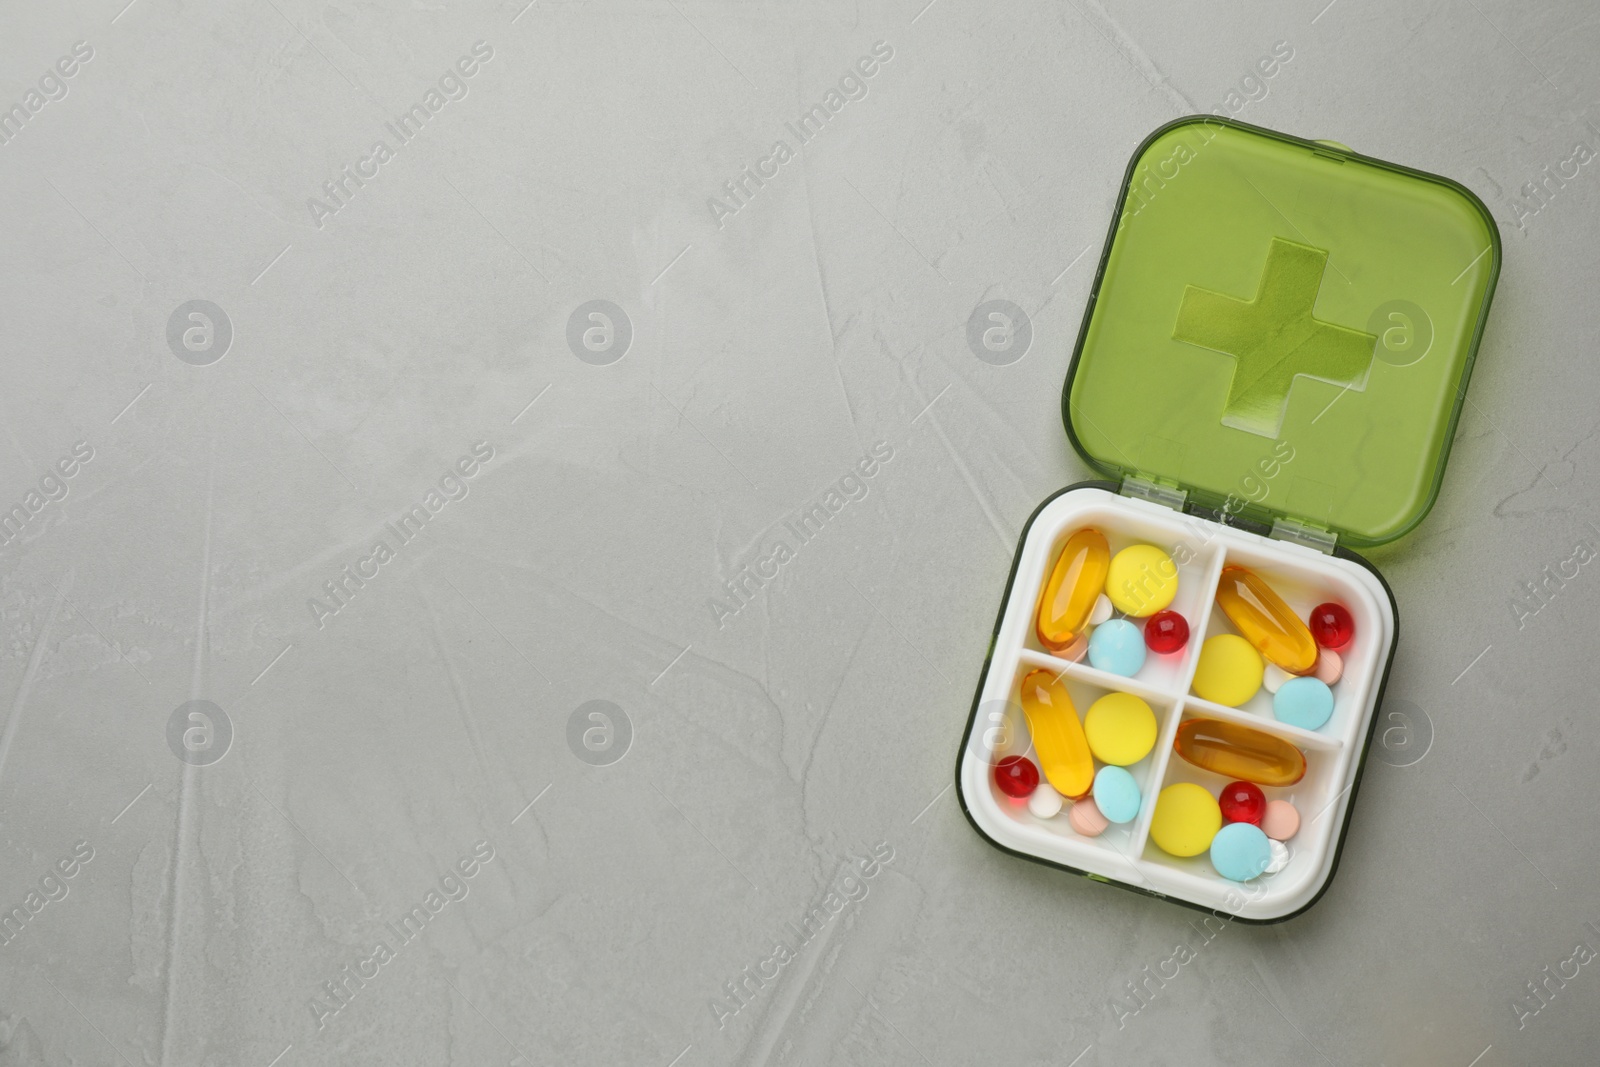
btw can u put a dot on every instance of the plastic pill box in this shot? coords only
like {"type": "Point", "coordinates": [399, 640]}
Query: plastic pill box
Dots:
{"type": "Point", "coordinates": [1270, 370]}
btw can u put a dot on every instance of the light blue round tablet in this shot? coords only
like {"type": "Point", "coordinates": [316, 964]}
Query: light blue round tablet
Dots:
{"type": "Point", "coordinates": [1117, 647]}
{"type": "Point", "coordinates": [1303, 702]}
{"type": "Point", "coordinates": [1240, 851]}
{"type": "Point", "coordinates": [1116, 794]}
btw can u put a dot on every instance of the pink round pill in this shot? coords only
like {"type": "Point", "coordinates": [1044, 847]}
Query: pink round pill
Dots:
{"type": "Point", "coordinates": [1282, 820]}
{"type": "Point", "coordinates": [1085, 818]}
{"type": "Point", "coordinates": [1075, 651]}
{"type": "Point", "coordinates": [1330, 668]}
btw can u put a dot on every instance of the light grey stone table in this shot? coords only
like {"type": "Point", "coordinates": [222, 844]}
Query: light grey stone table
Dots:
{"type": "Point", "coordinates": [244, 347]}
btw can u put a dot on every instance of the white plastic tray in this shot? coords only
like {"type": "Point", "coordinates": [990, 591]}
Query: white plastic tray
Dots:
{"type": "Point", "coordinates": [1125, 854]}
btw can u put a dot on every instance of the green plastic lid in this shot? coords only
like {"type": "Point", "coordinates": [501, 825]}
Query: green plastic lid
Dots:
{"type": "Point", "coordinates": [1283, 329]}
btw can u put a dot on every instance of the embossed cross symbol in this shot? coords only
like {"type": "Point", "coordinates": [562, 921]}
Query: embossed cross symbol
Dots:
{"type": "Point", "coordinates": [1274, 337]}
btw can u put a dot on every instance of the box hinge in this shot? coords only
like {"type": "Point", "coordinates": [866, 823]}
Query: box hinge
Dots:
{"type": "Point", "coordinates": [1332, 150]}
{"type": "Point", "coordinates": [1141, 488]}
{"type": "Point", "coordinates": [1301, 533]}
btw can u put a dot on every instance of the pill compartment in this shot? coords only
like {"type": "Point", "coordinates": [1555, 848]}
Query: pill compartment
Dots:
{"type": "Point", "coordinates": [1198, 565]}
{"type": "Point", "coordinates": [1124, 854]}
{"type": "Point", "coordinates": [1303, 591]}
{"type": "Point", "coordinates": [1316, 797]}
{"type": "Point", "coordinates": [1004, 732]}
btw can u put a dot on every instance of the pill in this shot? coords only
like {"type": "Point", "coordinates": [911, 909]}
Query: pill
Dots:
{"type": "Point", "coordinates": [1332, 625]}
{"type": "Point", "coordinates": [1265, 620]}
{"type": "Point", "coordinates": [1045, 802]}
{"type": "Point", "coordinates": [1074, 652]}
{"type": "Point", "coordinates": [1102, 610]}
{"type": "Point", "coordinates": [1280, 856]}
{"type": "Point", "coordinates": [1058, 738]}
{"type": "Point", "coordinates": [1116, 794]}
{"type": "Point", "coordinates": [1240, 851]}
{"type": "Point", "coordinates": [1166, 632]}
{"type": "Point", "coordinates": [1330, 667]}
{"type": "Point", "coordinates": [1185, 820]}
{"type": "Point", "coordinates": [1069, 595]}
{"type": "Point", "coordinates": [1243, 802]}
{"type": "Point", "coordinates": [1141, 580]}
{"type": "Point", "coordinates": [1303, 702]}
{"type": "Point", "coordinates": [1121, 729]}
{"type": "Point", "coordinates": [1282, 820]}
{"type": "Point", "coordinates": [1234, 750]}
{"type": "Point", "coordinates": [1086, 819]}
{"type": "Point", "coordinates": [1117, 647]}
{"type": "Point", "coordinates": [1229, 671]}
{"type": "Point", "coordinates": [1274, 677]}
{"type": "Point", "coordinates": [1016, 776]}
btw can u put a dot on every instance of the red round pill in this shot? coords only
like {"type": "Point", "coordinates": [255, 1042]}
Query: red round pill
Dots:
{"type": "Point", "coordinates": [1016, 776]}
{"type": "Point", "coordinates": [1243, 802]}
{"type": "Point", "coordinates": [1166, 631]}
{"type": "Point", "coordinates": [1332, 625]}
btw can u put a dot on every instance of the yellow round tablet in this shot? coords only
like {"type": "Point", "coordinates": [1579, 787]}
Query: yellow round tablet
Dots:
{"type": "Point", "coordinates": [1187, 818]}
{"type": "Point", "coordinates": [1229, 671]}
{"type": "Point", "coordinates": [1121, 729]}
{"type": "Point", "coordinates": [1142, 580]}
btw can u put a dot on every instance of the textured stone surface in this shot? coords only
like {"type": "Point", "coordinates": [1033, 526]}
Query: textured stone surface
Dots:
{"type": "Point", "coordinates": [380, 750]}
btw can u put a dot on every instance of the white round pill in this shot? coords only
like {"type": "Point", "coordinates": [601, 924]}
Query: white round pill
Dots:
{"type": "Point", "coordinates": [1274, 677]}
{"type": "Point", "coordinates": [1101, 610]}
{"type": "Point", "coordinates": [1280, 856]}
{"type": "Point", "coordinates": [1045, 802]}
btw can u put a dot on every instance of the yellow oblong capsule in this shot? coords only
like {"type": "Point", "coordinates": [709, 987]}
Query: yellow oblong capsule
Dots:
{"type": "Point", "coordinates": [1058, 738]}
{"type": "Point", "coordinates": [1240, 752]}
{"type": "Point", "coordinates": [1266, 621]}
{"type": "Point", "coordinates": [1076, 582]}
